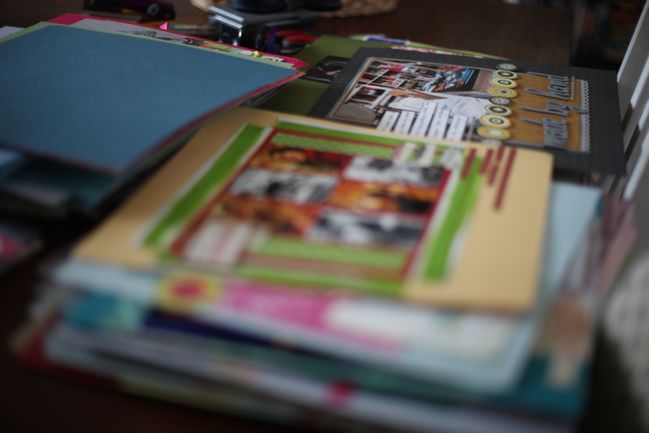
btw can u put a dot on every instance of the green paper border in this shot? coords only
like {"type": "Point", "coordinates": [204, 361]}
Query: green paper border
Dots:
{"type": "Point", "coordinates": [219, 172]}
{"type": "Point", "coordinates": [284, 247]}
{"type": "Point", "coordinates": [312, 129]}
{"type": "Point", "coordinates": [436, 256]}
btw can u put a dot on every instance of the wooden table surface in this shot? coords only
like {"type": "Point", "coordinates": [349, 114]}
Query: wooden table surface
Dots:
{"type": "Point", "coordinates": [533, 33]}
{"type": "Point", "coordinates": [33, 402]}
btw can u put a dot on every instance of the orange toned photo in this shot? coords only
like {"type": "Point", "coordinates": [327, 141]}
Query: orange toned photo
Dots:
{"type": "Point", "coordinates": [282, 218]}
{"type": "Point", "coordinates": [384, 197]}
{"type": "Point", "coordinates": [299, 159]}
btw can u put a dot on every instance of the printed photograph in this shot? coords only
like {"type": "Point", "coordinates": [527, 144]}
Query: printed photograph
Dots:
{"type": "Point", "coordinates": [286, 158]}
{"type": "Point", "coordinates": [416, 98]}
{"type": "Point", "coordinates": [382, 197]}
{"type": "Point", "coordinates": [383, 229]}
{"type": "Point", "coordinates": [388, 82]}
{"type": "Point", "coordinates": [427, 77]}
{"type": "Point", "coordinates": [280, 218]}
{"type": "Point", "coordinates": [368, 169]}
{"type": "Point", "coordinates": [283, 186]}
{"type": "Point", "coordinates": [326, 70]}
{"type": "Point", "coordinates": [369, 95]}
{"type": "Point", "coordinates": [368, 104]}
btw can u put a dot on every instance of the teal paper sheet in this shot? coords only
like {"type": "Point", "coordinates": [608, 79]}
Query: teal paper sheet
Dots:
{"type": "Point", "coordinates": [106, 100]}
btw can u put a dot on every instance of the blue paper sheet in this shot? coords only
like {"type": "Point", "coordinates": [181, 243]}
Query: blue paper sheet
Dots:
{"type": "Point", "coordinates": [106, 100]}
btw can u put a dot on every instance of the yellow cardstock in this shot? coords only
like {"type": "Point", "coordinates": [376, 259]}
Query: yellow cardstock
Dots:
{"type": "Point", "coordinates": [499, 261]}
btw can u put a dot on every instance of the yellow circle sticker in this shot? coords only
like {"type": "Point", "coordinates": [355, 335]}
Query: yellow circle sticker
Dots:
{"type": "Point", "coordinates": [503, 92]}
{"type": "Point", "coordinates": [506, 74]}
{"type": "Point", "coordinates": [498, 110]}
{"type": "Point", "coordinates": [503, 82]}
{"type": "Point", "coordinates": [493, 133]}
{"type": "Point", "coordinates": [495, 121]}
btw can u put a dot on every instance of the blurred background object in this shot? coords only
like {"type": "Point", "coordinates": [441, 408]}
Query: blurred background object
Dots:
{"type": "Point", "coordinates": [602, 31]}
{"type": "Point", "coordinates": [257, 24]}
{"type": "Point", "coordinates": [352, 8]}
{"type": "Point", "coordinates": [139, 10]}
{"type": "Point", "coordinates": [349, 7]}
{"type": "Point", "coordinates": [601, 28]}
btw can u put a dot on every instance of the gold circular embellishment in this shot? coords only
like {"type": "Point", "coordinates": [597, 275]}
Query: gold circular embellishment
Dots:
{"type": "Point", "coordinates": [506, 74]}
{"type": "Point", "coordinates": [498, 100]}
{"type": "Point", "coordinates": [502, 91]}
{"type": "Point", "coordinates": [493, 133]}
{"type": "Point", "coordinates": [503, 82]}
{"type": "Point", "coordinates": [495, 121]}
{"type": "Point", "coordinates": [498, 110]}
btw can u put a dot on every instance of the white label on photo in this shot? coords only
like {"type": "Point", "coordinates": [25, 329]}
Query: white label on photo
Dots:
{"type": "Point", "coordinates": [388, 120]}
{"type": "Point", "coordinates": [440, 122]}
{"type": "Point", "coordinates": [424, 117]}
{"type": "Point", "coordinates": [405, 122]}
{"type": "Point", "coordinates": [456, 130]}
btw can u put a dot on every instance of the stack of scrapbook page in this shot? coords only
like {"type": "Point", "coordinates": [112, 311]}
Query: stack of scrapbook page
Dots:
{"type": "Point", "coordinates": [318, 271]}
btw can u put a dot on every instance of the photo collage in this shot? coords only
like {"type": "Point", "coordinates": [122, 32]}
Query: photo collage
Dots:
{"type": "Point", "coordinates": [335, 196]}
{"type": "Point", "coordinates": [418, 98]}
{"type": "Point", "coordinates": [468, 101]}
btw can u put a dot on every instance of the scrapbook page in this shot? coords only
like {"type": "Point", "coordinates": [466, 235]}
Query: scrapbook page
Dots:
{"type": "Point", "coordinates": [571, 112]}
{"type": "Point", "coordinates": [286, 200]}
